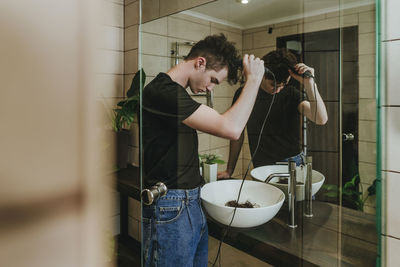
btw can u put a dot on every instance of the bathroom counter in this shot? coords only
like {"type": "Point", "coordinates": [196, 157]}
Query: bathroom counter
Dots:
{"type": "Point", "coordinates": [318, 241]}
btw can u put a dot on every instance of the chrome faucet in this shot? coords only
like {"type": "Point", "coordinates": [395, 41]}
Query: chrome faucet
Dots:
{"type": "Point", "coordinates": [278, 174]}
{"type": "Point", "coordinates": [291, 176]}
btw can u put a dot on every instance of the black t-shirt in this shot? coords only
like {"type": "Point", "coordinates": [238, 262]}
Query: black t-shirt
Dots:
{"type": "Point", "coordinates": [170, 147]}
{"type": "Point", "coordinates": [280, 138]}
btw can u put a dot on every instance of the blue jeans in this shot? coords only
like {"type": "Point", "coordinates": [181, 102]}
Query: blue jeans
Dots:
{"type": "Point", "coordinates": [174, 230]}
{"type": "Point", "coordinates": [299, 159]}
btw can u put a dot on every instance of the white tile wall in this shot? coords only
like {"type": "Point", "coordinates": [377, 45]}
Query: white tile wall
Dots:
{"type": "Point", "coordinates": [392, 58]}
{"type": "Point", "coordinates": [390, 132]}
{"type": "Point", "coordinates": [392, 252]}
{"type": "Point", "coordinates": [390, 19]}
{"type": "Point", "coordinates": [391, 138]}
{"type": "Point", "coordinates": [392, 181]}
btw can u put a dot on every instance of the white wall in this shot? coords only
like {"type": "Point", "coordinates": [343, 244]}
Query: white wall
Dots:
{"type": "Point", "coordinates": [390, 130]}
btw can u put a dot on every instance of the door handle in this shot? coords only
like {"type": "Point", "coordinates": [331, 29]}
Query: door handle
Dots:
{"type": "Point", "coordinates": [348, 137]}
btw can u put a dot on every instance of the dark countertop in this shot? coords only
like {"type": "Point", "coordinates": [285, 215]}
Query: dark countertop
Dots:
{"type": "Point", "coordinates": [334, 234]}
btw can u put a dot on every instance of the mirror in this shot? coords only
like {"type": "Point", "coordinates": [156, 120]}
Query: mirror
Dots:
{"type": "Point", "coordinates": [337, 39]}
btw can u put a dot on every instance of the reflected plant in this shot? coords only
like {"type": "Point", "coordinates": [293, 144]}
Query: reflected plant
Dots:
{"type": "Point", "coordinates": [127, 109]}
{"type": "Point", "coordinates": [210, 159]}
{"type": "Point", "coordinates": [351, 192]}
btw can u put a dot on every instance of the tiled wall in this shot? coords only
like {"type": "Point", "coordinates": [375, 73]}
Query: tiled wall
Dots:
{"type": "Point", "coordinates": [259, 42]}
{"type": "Point", "coordinates": [131, 45]}
{"type": "Point", "coordinates": [110, 87]}
{"type": "Point", "coordinates": [390, 130]}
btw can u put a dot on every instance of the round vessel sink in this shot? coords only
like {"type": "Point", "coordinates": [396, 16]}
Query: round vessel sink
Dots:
{"type": "Point", "coordinates": [261, 174]}
{"type": "Point", "coordinates": [267, 199]}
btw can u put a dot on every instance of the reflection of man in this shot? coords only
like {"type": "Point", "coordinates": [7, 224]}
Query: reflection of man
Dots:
{"type": "Point", "coordinates": [174, 227]}
{"type": "Point", "coordinates": [280, 140]}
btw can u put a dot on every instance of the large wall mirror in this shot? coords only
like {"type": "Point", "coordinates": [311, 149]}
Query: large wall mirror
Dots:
{"type": "Point", "coordinates": [337, 39]}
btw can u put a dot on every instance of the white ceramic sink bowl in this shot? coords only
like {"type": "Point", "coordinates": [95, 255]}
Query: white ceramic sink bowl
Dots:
{"type": "Point", "coordinates": [268, 198]}
{"type": "Point", "coordinates": [261, 173]}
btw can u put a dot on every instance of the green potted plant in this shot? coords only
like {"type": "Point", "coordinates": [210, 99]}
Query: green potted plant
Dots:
{"type": "Point", "coordinates": [351, 192]}
{"type": "Point", "coordinates": [209, 166]}
{"type": "Point", "coordinates": [124, 115]}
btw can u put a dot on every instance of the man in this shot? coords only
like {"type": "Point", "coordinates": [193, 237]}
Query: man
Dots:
{"type": "Point", "coordinates": [280, 140]}
{"type": "Point", "coordinates": [174, 227]}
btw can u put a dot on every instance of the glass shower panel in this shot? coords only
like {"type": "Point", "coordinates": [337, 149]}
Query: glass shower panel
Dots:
{"type": "Point", "coordinates": [336, 39]}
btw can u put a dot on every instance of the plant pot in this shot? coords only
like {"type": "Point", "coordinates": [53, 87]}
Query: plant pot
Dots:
{"type": "Point", "coordinates": [210, 172]}
{"type": "Point", "coordinates": [122, 143]}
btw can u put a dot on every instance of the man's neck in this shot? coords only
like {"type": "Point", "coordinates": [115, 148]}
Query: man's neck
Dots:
{"type": "Point", "coordinates": [262, 87]}
{"type": "Point", "coordinates": [180, 73]}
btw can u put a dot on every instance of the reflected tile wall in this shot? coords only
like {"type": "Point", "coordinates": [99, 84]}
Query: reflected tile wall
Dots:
{"type": "Point", "coordinates": [259, 42]}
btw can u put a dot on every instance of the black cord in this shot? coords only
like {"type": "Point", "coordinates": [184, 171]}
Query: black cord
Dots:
{"type": "Point", "coordinates": [245, 175]}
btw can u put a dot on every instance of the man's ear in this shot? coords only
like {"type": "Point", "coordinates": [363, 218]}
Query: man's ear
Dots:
{"type": "Point", "coordinates": [200, 63]}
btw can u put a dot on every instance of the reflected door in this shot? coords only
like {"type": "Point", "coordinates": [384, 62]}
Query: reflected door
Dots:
{"type": "Point", "coordinates": [324, 50]}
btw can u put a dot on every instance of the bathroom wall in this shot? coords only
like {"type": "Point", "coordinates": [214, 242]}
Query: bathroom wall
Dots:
{"type": "Point", "coordinates": [110, 77]}
{"type": "Point", "coordinates": [259, 42]}
{"type": "Point", "coordinates": [390, 131]}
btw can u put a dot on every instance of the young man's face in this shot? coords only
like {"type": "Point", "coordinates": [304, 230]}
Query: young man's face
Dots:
{"type": "Point", "coordinates": [205, 80]}
{"type": "Point", "coordinates": [269, 86]}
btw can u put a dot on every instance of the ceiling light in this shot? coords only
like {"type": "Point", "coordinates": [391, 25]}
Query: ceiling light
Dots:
{"type": "Point", "coordinates": [243, 1]}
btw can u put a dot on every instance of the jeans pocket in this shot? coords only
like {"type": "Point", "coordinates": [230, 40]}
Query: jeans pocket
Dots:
{"type": "Point", "coordinates": [170, 212]}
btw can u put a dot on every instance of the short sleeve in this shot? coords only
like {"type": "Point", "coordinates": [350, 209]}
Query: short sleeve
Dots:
{"type": "Point", "coordinates": [166, 98]}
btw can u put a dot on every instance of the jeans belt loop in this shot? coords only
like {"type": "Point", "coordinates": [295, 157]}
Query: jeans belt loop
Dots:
{"type": "Point", "coordinates": [187, 197]}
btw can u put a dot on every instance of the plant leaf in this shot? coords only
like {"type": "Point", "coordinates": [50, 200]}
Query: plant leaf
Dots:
{"type": "Point", "coordinates": [137, 82]}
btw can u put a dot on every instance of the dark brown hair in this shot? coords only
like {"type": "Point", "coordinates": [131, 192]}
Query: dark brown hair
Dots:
{"type": "Point", "coordinates": [279, 61]}
{"type": "Point", "coordinates": [219, 53]}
